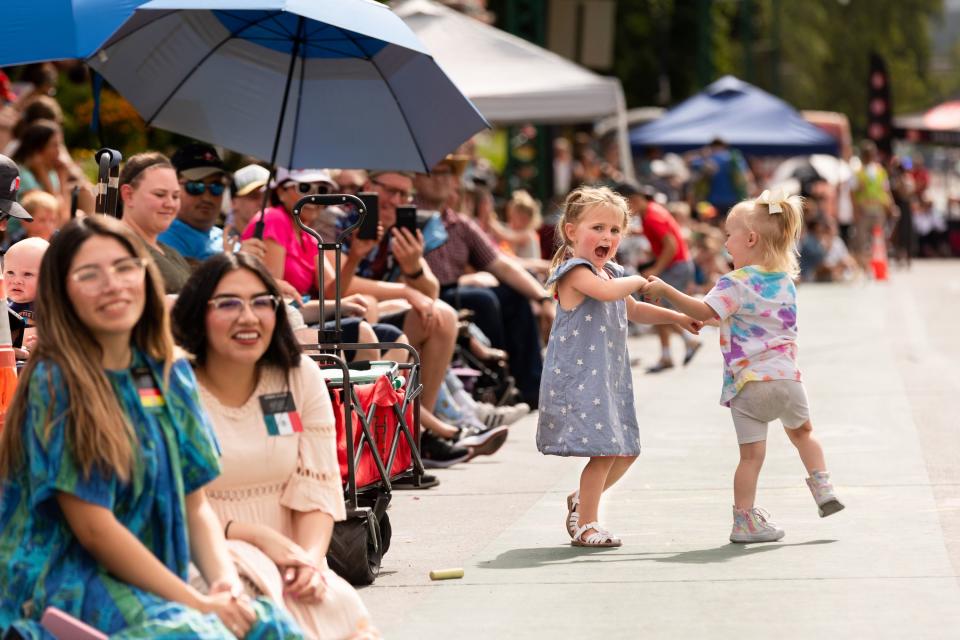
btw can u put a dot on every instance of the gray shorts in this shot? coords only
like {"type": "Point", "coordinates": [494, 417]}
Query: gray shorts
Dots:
{"type": "Point", "coordinates": [679, 275]}
{"type": "Point", "coordinates": [760, 402]}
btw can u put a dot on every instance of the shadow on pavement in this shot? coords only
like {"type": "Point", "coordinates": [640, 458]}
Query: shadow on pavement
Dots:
{"type": "Point", "coordinates": [731, 551]}
{"type": "Point", "coordinates": [545, 556]}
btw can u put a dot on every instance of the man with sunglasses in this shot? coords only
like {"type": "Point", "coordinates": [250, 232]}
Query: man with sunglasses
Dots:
{"type": "Point", "coordinates": [203, 181]}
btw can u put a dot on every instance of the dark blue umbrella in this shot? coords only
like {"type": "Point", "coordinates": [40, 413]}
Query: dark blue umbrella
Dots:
{"type": "Point", "coordinates": [303, 83]}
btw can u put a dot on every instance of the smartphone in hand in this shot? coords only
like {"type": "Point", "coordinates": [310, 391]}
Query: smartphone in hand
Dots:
{"type": "Point", "coordinates": [368, 228]}
{"type": "Point", "coordinates": [407, 219]}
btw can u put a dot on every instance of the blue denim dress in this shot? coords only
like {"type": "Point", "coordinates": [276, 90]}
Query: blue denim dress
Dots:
{"type": "Point", "coordinates": [586, 391]}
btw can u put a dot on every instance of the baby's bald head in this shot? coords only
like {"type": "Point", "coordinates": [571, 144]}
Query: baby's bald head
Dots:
{"type": "Point", "coordinates": [21, 268]}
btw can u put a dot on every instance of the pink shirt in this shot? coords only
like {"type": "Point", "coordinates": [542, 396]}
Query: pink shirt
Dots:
{"type": "Point", "coordinates": [300, 263]}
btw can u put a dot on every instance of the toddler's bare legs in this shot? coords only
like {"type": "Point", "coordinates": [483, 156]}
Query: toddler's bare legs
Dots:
{"type": "Point", "coordinates": [620, 466]}
{"type": "Point", "coordinates": [748, 471]}
{"type": "Point", "coordinates": [592, 482]}
{"type": "Point", "coordinates": [809, 448]}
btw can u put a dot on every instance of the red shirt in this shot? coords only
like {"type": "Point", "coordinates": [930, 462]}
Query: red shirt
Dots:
{"type": "Point", "coordinates": [657, 224]}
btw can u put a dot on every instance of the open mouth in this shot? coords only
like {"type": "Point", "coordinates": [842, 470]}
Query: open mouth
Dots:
{"type": "Point", "coordinates": [247, 337]}
{"type": "Point", "coordinates": [602, 252]}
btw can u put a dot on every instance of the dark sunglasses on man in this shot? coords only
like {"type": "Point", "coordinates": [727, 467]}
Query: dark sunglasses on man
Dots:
{"type": "Point", "coordinates": [197, 188]}
{"type": "Point", "coordinates": [310, 188]}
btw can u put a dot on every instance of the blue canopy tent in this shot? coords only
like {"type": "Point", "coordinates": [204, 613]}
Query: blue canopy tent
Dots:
{"type": "Point", "coordinates": [739, 113]}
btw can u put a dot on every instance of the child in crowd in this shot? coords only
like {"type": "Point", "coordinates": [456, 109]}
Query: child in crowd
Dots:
{"type": "Point", "coordinates": [519, 235]}
{"type": "Point", "coordinates": [756, 305]}
{"type": "Point", "coordinates": [46, 214]}
{"type": "Point", "coordinates": [586, 391]}
{"type": "Point", "coordinates": [21, 269]}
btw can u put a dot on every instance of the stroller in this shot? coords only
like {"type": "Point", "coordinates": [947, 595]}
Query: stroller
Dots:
{"type": "Point", "coordinates": [384, 446]}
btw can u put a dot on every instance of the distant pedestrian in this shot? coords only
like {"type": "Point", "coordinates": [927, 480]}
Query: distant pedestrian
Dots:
{"type": "Point", "coordinates": [756, 305]}
{"type": "Point", "coordinates": [586, 392]}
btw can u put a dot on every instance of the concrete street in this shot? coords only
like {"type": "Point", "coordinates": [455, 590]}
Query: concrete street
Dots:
{"type": "Point", "coordinates": [881, 363]}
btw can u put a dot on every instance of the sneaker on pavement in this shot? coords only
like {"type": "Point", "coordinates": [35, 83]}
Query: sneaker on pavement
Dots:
{"type": "Point", "coordinates": [485, 442]}
{"type": "Point", "coordinates": [437, 453]}
{"type": "Point", "coordinates": [754, 526]}
{"type": "Point", "coordinates": [822, 490]}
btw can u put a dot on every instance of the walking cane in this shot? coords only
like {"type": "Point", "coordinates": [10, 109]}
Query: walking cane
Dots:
{"type": "Point", "coordinates": [108, 181]}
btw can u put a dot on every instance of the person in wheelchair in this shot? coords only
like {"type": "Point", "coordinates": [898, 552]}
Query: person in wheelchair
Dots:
{"type": "Point", "coordinates": [280, 490]}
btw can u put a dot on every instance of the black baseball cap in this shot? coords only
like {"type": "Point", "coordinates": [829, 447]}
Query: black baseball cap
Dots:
{"type": "Point", "coordinates": [9, 184]}
{"type": "Point", "coordinates": [627, 190]}
{"type": "Point", "coordinates": [197, 160]}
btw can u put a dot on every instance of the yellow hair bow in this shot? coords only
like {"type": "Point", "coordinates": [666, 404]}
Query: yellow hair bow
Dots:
{"type": "Point", "coordinates": [773, 200]}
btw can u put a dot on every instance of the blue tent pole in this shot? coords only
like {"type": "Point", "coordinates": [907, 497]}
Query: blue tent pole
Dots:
{"type": "Point", "coordinates": [258, 229]}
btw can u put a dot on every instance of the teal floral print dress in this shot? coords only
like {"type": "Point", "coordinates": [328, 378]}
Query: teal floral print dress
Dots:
{"type": "Point", "coordinates": [41, 562]}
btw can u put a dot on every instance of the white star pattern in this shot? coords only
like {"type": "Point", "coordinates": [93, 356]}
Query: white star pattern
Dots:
{"type": "Point", "coordinates": [563, 338]}
{"type": "Point", "coordinates": [583, 416]}
{"type": "Point", "coordinates": [580, 387]}
{"type": "Point", "coordinates": [593, 348]}
{"type": "Point", "coordinates": [610, 343]}
{"type": "Point", "coordinates": [576, 332]}
{"type": "Point", "coordinates": [563, 410]}
{"type": "Point", "coordinates": [557, 371]}
{"type": "Point", "coordinates": [614, 439]}
{"type": "Point", "coordinates": [619, 358]}
{"type": "Point", "coordinates": [552, 426]}
{"type": "Point", "coordinates": [599, 426]}
{"type": "Point", "coordinates": [588, 318]}
{"type": "Point", "coordinates": [579, 362]}
{"type": "Point", "coordinates": [596, 401]}
{"type": "Point", "coordinates": [584, 440]}
{"type": "Point", "coordinates": [594, 372]}
{"type": "Point", "coordinates": [603, 328]}
{"type": "Point", "coordinates": [552, 393]}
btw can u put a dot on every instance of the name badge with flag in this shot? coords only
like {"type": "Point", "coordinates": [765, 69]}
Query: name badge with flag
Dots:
{"type": "Point", "coordinates": [150, 396]}
{"type": "Point", "coordinates": [280, 414]}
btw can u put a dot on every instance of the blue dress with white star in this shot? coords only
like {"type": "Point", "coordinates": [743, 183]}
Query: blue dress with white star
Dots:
{"type": "Point", "coordinates": [586, 391]}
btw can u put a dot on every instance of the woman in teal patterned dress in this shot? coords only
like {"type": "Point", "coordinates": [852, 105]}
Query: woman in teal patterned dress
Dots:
{"type": "Point", "coordinates": [103, 455]}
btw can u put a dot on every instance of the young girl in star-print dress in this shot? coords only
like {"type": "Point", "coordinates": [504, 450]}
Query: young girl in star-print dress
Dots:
{"type": "Point", "coordinates": [756, 305]}
{"type": "Point", "coordinates": [586, 394]}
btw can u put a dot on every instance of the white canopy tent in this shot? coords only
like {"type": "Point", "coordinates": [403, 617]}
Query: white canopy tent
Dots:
{"type": "Point", "coordinates": [512, 81]}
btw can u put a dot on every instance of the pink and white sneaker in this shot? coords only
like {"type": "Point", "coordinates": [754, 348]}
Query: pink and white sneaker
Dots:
{"type": "Point", "coordinates": [754, 525]}
{"type": "Point", "coordinates": [822, 490]}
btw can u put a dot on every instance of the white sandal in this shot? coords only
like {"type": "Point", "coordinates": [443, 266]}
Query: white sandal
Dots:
{"type": "Point", "coordinates": [573, 515]}
{"type": "Point", "coordinates": [599, 538]}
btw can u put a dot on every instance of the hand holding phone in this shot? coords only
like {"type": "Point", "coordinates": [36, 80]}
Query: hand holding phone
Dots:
{"type": "Point", "coordinates": [368, 228]}
{"type": "Point", "coordinates": [407, 219]}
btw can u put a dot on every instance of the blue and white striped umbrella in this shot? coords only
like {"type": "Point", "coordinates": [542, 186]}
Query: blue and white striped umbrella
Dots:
{"type": "Point", "coordinates": [354, 86]}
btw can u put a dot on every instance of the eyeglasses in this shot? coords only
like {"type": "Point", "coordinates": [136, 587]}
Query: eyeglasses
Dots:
{"type": "Point", "coordinates": [394, 192]}
{"type": "Point", "coordinates": [95, 278]}
{"type": "Point", "coordinates": [263, 306]}
{"type": "Point", "coordinates": [310, 188]}
{"type": "Point", "coordinates": [197, 188]}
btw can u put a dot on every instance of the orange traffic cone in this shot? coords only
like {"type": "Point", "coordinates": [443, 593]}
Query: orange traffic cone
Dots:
{"type": "Point", "coordinates": [878, 259]}
{"type": "Point", "coordinates": [8, 361]}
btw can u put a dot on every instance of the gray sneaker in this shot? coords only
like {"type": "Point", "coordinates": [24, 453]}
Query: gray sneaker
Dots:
{"type": "Point", "coordinates": [754, 526]}
{"type": "Point", "coordinates": [822, 490]}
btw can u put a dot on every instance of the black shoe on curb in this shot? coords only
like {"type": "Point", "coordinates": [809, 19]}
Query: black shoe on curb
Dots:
{"type": "Point", "coordinates": [427, 481]}
{"type": "Point", "coordinates": [483, 443]}
{"type": "Point", "coordinates": [438, 453]}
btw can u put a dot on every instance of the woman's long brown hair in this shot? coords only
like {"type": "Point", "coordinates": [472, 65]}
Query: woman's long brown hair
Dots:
{"type": "Point", "coordinates": [97, 431]}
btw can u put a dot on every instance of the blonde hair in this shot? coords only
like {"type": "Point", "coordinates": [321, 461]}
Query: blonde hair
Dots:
{"type": "Point", "coordinates": [36, 199]}
{"type": "Point", "coordinates": [777, 232]}
{"type": "Point", "coordinates": [577, 203]}
{"type": "Point", "coordinates": [98, 434]}
{"type": "Point", "coordinates": [523, 201]}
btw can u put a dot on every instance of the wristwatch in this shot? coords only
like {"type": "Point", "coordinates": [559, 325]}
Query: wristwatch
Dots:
{"type": "Point", "coordinates": [413, 276]}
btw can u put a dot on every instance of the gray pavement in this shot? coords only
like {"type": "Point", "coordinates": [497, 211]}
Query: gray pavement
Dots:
{"type": "Point", "coordinates": [882, 369]}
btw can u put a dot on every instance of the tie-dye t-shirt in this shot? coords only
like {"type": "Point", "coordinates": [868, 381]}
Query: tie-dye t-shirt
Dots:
{"type": "Point", "coordinates": [758, 328]}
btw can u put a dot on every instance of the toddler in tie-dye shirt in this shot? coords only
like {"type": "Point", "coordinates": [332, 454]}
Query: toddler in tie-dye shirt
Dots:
{"type": "Point", "coordinates": [756, 305]}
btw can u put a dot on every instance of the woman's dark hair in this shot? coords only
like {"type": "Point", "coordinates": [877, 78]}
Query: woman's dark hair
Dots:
{"type": "Point", "coordinates": [190, 311]}
{"type": "Point", "coordinates": [39, 108]}
{"type": "Point", "coordinates": [132, 171]}
{"type": "Point", "coordinates": [36, 136]}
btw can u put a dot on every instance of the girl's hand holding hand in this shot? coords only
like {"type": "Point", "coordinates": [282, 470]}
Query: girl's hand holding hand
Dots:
{"type": "Point", "coordinates": [232, 606]}
{"type": "Point", "coordinates": [306, 584]}
{"type": "Point", "coordinates": [640, 281]}
{"type": "Point", "coordinates": [655, 288]}
{"type": "Point", "coordinates": [689, 324]}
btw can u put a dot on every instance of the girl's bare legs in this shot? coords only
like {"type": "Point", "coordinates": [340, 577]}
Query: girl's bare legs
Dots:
{"type": "Point", "coordinates": [808, 447]}
{"type": "Point", "coordinates": [620, 466]}
{"type": "Point", "coordinates": [592, 482]}
{"type": "Point", "coordinates": [747, 474]}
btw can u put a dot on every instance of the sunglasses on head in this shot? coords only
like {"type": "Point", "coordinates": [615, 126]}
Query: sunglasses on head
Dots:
{"type": "Point", "coordinates": [197, 188]}
{"type": "Point", "coordinates": [310, 188]}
